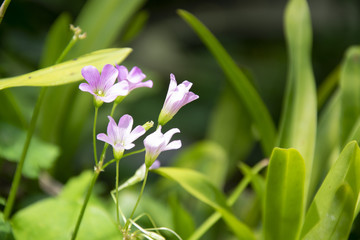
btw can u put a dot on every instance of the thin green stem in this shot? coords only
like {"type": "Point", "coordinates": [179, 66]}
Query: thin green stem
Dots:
{"type": "Point", "coordinates": [94, 135]}
{"type": "Point", "coordinates": [125, 155]}
{"type": "Point", "coordinates": [117, 193]}
{"type": "Point", "coordinates": [3, 8]}
{"type": "Point", "coordinates": [17, 176]}
{"type": "Point", "coordinates": [113, 109]}
{"type": "Point", "coordinates": [82, 211]}
{"type": "Point", "coordinates": [138, 200]}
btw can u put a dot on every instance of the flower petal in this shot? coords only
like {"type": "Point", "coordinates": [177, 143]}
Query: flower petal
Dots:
{"type": "Point", "coordinates": [168, 135]}
{"type": "Point", "coordinates": [123, 72]}
{"type": "Point", "coordinates": [91, 75]}
{"type": "Point", "coordinates": [86, 88]}
{"type": "Point", "coordinates": [186, 84]}
{"type": "Point", "coordinates": [136, 133]}
{"type": "Point", "coordinates": [136, 75]}
{"type": "Point", "coordinates": [190, 97]}
{"type": "Point", "coordinates": [148, 84]}
{"type": "Point", "coordinates": [129, 146]}
{"type": "Point", "coordinates": [125, 124]}
{"type": "Point", "coordinates": [103, 137]}
{"type": "Point", "coordinates": [172, 85]}
{"type": "Point", "coordinates": [112, 131]}
{"type": "Point", "coordinates": [108, 76]}
{"type": "Point", "coordinates": [173, 145]}
{"type": "Point", "coordinates": [118, 89]}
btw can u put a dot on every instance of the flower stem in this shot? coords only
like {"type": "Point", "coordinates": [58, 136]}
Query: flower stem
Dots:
{"type": "Point", "coordinates": [117, 192]}
{"type": "Point", "coordinates": [17, 176]}
{"type": "Point", "coordinates": [113, 109]}
{"type": "Point", "coordinates": [138, 200]}
{"type": "Point", "coordinates": [94, 135]}
{"type": "Point", "coordinates": [88, 194]}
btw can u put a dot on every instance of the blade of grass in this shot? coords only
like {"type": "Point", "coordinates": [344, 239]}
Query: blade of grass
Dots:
{"type": "Point", "coordinates": [238, 80]}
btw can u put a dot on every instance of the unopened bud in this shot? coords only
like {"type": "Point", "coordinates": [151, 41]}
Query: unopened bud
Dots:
{"type": "Point", "coordinates": [148, 125]}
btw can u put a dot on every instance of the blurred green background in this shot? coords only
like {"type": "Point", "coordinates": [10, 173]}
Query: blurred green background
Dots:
{"type": "Point", "coordinates": [251, 31]}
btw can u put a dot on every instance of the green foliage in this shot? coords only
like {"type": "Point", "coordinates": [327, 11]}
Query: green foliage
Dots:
{"type": "Point", "coordinates": [284, 195]}
{"type": "Point", "coordinates": [298, 123]}
{"type": "Point", "coordinates": [66, 72]}
{"type": "Point", "coordinates": [238, 80]}
{"type": "Point", "coordinates": [201, 187]}
{"type": "Point", "coordinates": [41, 155]}
{"type": "Point", "coordinates": [54, 218]}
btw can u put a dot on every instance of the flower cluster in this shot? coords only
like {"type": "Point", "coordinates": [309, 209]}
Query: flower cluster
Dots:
{"type": "Point", "coordinates": [105, 88]}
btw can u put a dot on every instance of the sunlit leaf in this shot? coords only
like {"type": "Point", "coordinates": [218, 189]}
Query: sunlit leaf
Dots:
{"type": "Point", "coordinates": [284, 195]}
{"type": "Point", "coordinates": [200, 187]}
{"type": "Point", "coordinates": [346, 170]}
{"type": "Point", "coordinates": [5, 229]}
{"type": "Point", "coordinates": [66, 72]}
{"type": "Point", "coordinates": [298, 122]}
{"type": "Point", "coordinates": [184, 224]}
{"type": "Point", "coordinates": [337, 224]}
{"type": "Point", "coordinates": [238, 80]}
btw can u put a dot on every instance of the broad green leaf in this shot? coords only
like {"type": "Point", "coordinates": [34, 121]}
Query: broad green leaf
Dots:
{"type": "Point", "coordinates": [231, 127]}
{"type": "Point", "coordinates": [298, 122]}
{"type": "Point", "coordinates": [201, 187]}
{"type": "Point", "coordinates": [55, 218]}
{"type": "Point", "coordinates": [206, 157]}
{"type": "Point", "coordinates": [345, 170]}
{"type": "Point", "coordinates": [66, 72]}
{"type": "Point", "coordinates": [5, 229]}
{"type": "Point", "coordinates": [350, 92]}
{"type": "Point", "coordinates": [56, 40]}
{"type": "Point", "coordinates": [103, 21]}
{"type": "Point", "coordinates": [135, 26]}
{"type": "Point", "coordinates": [284, 195]}
{"type": "Point", "coordinates": [41, 155]}
{"type": "Point", "coordinates": [328, 86]}
{"type": "Point", "coordinates": [75, 188]}
{"type": "Point", "coordinates": [237, 79]}
{"type": "Point", "coordinates": [206, 225]}
{"type": "Point", "coordinates": [337, 224]}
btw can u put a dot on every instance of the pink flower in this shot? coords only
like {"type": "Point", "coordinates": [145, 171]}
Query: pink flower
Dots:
{"type": "Point", "coordinates": [120, 136]}
{"type": "Point", "coordinates": [157, 142]}
{"type": "Point", "coordinates": [177, 96]}
{"type": "Point", "coordinates": [133, 78]}
{"type": "Point", "coordinates": [102, 86]}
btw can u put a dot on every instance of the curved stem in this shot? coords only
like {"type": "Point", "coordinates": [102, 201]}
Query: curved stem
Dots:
{"type": "Point", "coordinates": [113, 109]}
{"type": "Point", "coordinates": [94, 135]}
{"type": "Point", "coordinates": [82, 211]}
{"type": "Point", "coordinates": [3, 8]}
{"type": "Point", "coordinates": [138, 200]}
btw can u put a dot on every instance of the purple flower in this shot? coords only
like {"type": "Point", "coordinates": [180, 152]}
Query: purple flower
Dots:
{"type": "Point", "coordinates": [157, 142]}
{"type": "Point", "coordinates": [120, 136]}
{"type": "Point", "coordinates": [133, 78]}
{"type": "Point", "coordinates": [102, 86]}
{"type": "Point", "coordinates": [177, 96]}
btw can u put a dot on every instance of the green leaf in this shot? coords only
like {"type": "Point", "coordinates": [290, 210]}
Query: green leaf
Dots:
{"type": "Point", "coordinates": [206, 157]}
{"type": "Point", "coordinates": [231, 127]}
{"type": "Point", "coordinates": [5, 229]}
{"type": "Point", "coordinates": [184, 224]}
{"type": "Point", "coordinates": [237, 79]}
{"type": "Point", "coordinates": [298, 122]}
{"type": "Point", "coordinates": [337, 224]}
{"type": "Point", "coordinates": [201, 187]}
{"type": "Point", "coordinates": [66, 72]}
{"type": "Point", "coordinates": [345, 170]}
{"type": "Point", "coordinates": [327, 142]}
{"type": "Point", "coordinates": [284, 195]}
{"type": "Point", "coordinates": [350, 92]}
{"type": "Point", "coordinates": [56, 40]}
{"type": "Point", "coordinates": [257, 181]}
{"type": "Point", "coordinates": [41, 155]}
{"type": "Point", "coordinates": [55, 218]}
{"type": "Point", "coordinates": [103, 21]}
